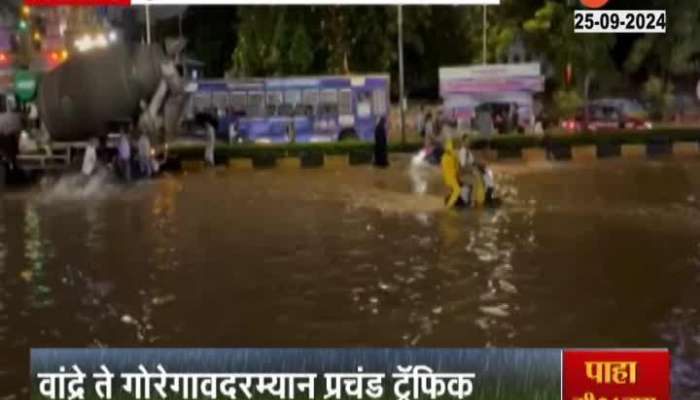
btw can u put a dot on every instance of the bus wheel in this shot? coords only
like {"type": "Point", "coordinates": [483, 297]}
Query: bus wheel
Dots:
{"type": "Point", "coordinates": [348, 134]}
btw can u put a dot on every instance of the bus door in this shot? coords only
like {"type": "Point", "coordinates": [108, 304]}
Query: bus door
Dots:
{"type": "Point", "coordinates": [298, 120]}
{"type": "Point", "coordinates": [305, 120]}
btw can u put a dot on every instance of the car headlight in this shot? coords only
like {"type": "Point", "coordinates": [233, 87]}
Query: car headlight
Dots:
{"type": "Point", "coordinates": [648, 125]}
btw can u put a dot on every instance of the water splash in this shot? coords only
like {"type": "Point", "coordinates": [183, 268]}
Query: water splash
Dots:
{"type": "Point", "coordinates": [78, 187]}
{"type": "Point", "coordinates": [419, 171]}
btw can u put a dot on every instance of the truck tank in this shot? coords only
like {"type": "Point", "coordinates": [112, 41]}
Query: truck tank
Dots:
{"type": "Point", "coordinates": [80, 98]}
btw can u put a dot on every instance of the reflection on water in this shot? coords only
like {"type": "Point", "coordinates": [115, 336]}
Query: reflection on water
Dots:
{"type": "Point", "coordinates": [605, 255]}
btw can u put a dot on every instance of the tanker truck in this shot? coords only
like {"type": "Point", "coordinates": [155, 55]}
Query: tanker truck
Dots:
{"type": "Point", "coordinates": [91, 95]}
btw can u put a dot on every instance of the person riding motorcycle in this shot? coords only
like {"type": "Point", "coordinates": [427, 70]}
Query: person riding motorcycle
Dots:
{"type": "Point", "coordinates": [451, 177]}
{"type": "Point", "coordinates": [469, 184]}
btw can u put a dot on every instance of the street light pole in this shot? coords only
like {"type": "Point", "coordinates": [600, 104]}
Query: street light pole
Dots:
{"type": "Point", "coordinates": [484, 22]}
{"type": "Point", "coordinates": [401, 77]}
{"type": "Point", "coordinates": [148, 24]}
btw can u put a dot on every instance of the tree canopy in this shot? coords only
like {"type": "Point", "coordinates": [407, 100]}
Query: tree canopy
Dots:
{"type": "Point", "coordinates": [298, 40]}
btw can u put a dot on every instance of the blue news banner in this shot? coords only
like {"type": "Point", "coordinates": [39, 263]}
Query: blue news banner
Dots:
{"type": "Point", "coordinates": [285, 374]}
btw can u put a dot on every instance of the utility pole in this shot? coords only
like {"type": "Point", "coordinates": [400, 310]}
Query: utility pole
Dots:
{"type": "Point", "coordinates": [401, 76]}
{"type": "Point", "coordinates": [485, 27]}
{"type": "Point", "coordinates": [148, 24]}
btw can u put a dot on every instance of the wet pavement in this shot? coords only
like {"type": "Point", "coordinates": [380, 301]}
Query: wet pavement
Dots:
{"type": "Point", "coordinates": [599, 255]}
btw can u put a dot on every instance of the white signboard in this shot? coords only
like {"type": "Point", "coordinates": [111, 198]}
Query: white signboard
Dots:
{"type": "Point", "coordinates": [490, 71]}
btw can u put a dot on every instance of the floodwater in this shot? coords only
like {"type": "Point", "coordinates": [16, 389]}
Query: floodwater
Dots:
{"type": "Point", "coordinates": [600, 255]}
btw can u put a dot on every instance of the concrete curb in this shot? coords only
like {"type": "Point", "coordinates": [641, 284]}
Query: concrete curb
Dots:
{"type": "Point", "coordinates": [633, 151]}
{"type": "Point", "coordinates": [240, 164]}
{"type": "Point", "coordinates": [584, 153]}
{"type": "Point", "coordinates": [534, 155]}
{"type": "Point", "coordinates": [192, 166]}
{"type": "Point", "coordinates": [563, 153]}
{"type": "Point", "coordinates": [336, 161]}
{"type": "Point", "coordinates": [685, 149]}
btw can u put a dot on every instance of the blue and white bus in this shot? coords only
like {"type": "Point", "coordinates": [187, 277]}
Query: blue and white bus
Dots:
{"type": "Point", "coordinates": [300, 109]}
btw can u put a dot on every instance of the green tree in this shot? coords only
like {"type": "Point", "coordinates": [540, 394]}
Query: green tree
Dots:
{"type": "Point", "coordinates": [567, 103]}
{"type": "Point", "coordinates": [259, 50]}
{"type": "Point", "coordinates": [659, 95]}
{"type": "Point", "coordinates": [211, 34]}
{"type": "Point", "coordinates": [674, 53]}
{"type": "Point", "coordinates": [301, 52]}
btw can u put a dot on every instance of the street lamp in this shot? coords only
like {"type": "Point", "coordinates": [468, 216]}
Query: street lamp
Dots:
{"type": "Point", "coordinates": [401, 94]}
{"type": "Point", "coordinates": [483, 39]}
{"type": "Point", "coordinates": [148, 24]}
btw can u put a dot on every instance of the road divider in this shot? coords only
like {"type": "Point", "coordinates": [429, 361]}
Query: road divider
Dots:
{"type": "Point", "coordinates": [587, 147]}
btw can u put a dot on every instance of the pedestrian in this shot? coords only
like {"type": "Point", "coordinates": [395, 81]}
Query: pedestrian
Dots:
{"type": "Point", "coordinates": [232, 132]}
{"type": "Point", "coordinates": [381, 158]}
{"type": "Point", "coordinates": [428, 129]}
{"type": "Point", "coordinates": [452, 178]}
{"type": "Point", "coordinates": [514, 118]}
{"type": "Point", "coordinates": [484, 122]}
{"type": "Point", "coordinates": [437, 125]}
{"type": "Point", "coordinates": [144, 155]}
{"type": "Point", "coordinates": [33, 116]}
{"type": "Point", "coordinates": [211, 143]}
{"type": "Point", "coordinates": [90, 158]}
{"type": "Point", "coordinates": [420, 122]}
{"type": "Point", "coordinates": [124, 157]}
{"type": "Point", "coordinates": [291, 133]}
{"type": "Point", "coordinates": [466, 158]}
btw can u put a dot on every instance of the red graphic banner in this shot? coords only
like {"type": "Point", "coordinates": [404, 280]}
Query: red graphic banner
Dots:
{"type": "Point", "coordinates": [616, 375]}
{"type": "Point", "coordinates": [96, 3]}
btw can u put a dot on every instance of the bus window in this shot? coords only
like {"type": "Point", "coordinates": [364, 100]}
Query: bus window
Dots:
{"type": "Point", "coordinates": [328, 102]}
{"type": "Point", "coordinates": [292, 102]}
{"type": "Point", "coordinates": [201, 102]}
{"type": "Point", "coordinates": [274, 100]}
{"type": "Point", "coordinates": [310, 100]}
{"type": "Point", "coordinates": [378, 102]}
{"type": "Point", "coordinates": [285, 110]}
{"type": "Point", "coordinates": [292, 97]}
{"type": "Point", "coordinates": [364, 105]}
{"type": "Point", "coordinates": [255, 106]}
{"type": "Point", "coordinates": [237, 102]}
{"type": "Point", "coordinates": [220, 101]}
{"type": "Point", "coordinates": [345, 102]}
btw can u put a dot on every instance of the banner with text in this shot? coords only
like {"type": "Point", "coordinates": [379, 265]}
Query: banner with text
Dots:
{"type": "Point", "coordinates": [335, 374]}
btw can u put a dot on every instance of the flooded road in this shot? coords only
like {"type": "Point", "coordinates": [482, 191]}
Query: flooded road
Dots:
{"type": "Point", "coordinates": [600, 255]}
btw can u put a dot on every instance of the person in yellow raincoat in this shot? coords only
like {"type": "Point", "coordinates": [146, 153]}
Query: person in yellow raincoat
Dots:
{"type": "Point", "coordinates": [460, 194]}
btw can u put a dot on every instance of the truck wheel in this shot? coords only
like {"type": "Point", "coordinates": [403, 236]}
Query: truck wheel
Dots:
{"type": "Point", "coordinates": [347, 135]}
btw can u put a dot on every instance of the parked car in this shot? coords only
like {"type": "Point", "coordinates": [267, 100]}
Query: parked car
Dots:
{"type": "Point", "coordinates": [606, 115]}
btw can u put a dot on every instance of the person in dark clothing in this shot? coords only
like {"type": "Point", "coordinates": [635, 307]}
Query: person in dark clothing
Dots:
{"type": "Point", "coordinates": [9, 148]}
{"type": "Point", "coordinates": [381, 158]}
